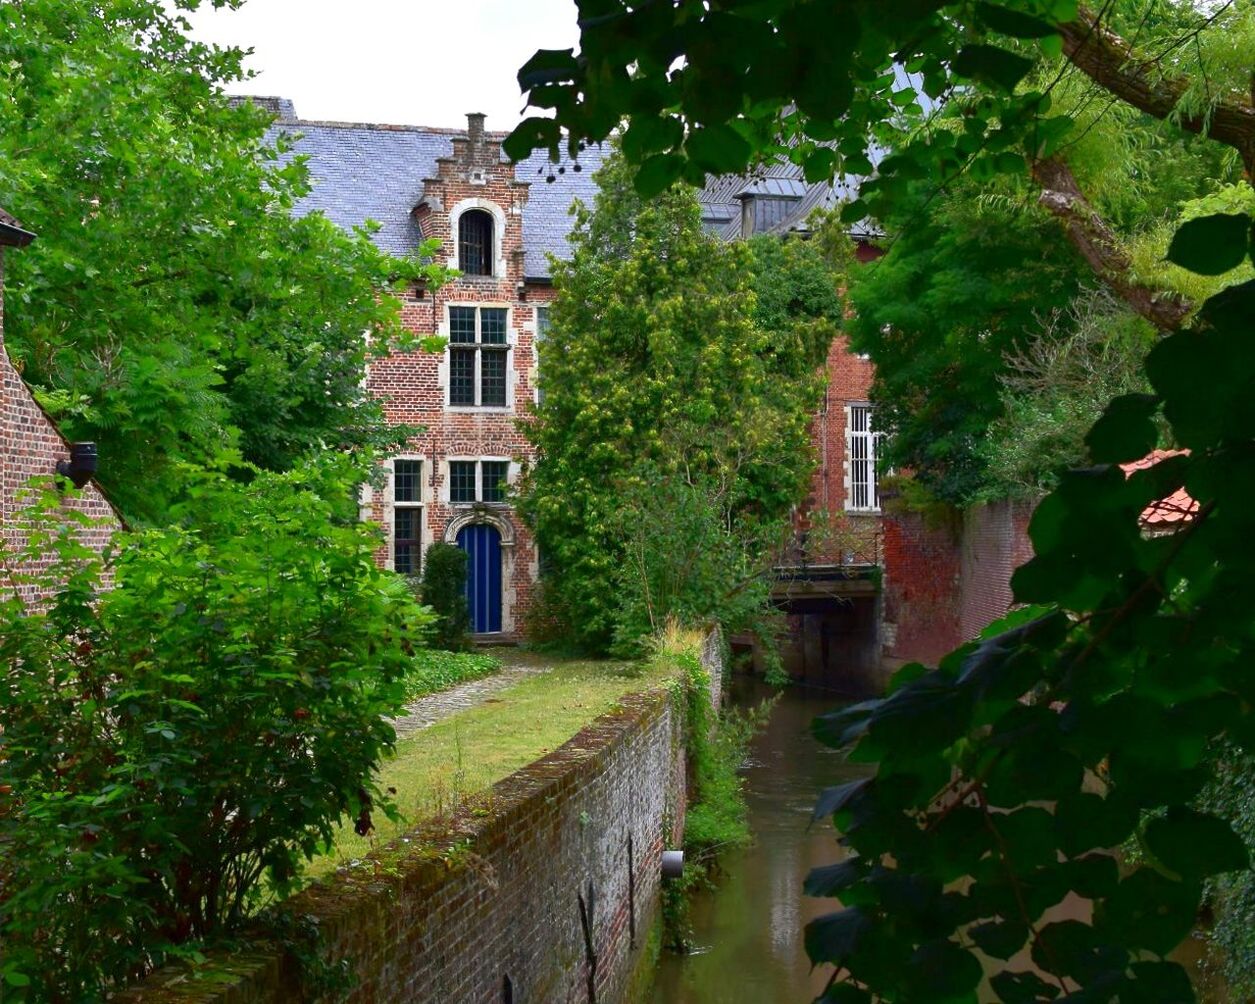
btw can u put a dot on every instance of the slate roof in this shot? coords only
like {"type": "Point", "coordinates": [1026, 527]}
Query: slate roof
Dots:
{"type": "Point", "coordinates": [364, 171]}
{"type": "Point", "coordinates": [547, 220]}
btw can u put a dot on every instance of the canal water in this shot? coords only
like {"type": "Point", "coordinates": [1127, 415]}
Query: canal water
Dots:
{"type": "Point", "coordinates": [748, 930]}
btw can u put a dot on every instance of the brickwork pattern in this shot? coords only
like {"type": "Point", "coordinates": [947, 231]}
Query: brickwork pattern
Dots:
{"type": "Point", "coordinates": [944, 585]}
{"type": "Point", "coordinates": [995, 544]}
{"type": "Point", "coordinates": [30, 447]}
{"type": "Point", "coordinates": [414, 387]}
{"type": "Point", "coordinates": [920, 589]}
{"type": "Point", "coordinates": [848, 379]}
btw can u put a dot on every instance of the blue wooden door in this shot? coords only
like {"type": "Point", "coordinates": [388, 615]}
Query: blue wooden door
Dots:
{"type": "Point", "coordinates": [482, 544]}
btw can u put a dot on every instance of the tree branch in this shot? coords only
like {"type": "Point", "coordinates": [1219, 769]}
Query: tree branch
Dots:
{"type": "Point", "coordinates": [1109, 61]}
{"type": "Point", "coordinates": [1091, 235]}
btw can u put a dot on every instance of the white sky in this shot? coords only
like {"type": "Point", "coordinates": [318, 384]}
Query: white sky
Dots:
{"type": "Point", "coordinates": [411, 62]}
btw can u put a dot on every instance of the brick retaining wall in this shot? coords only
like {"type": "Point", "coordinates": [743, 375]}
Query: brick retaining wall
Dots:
{"type": "Point", "coordinates": [495, 895]}
{"type": "Point", "coordinates": [944, 584]}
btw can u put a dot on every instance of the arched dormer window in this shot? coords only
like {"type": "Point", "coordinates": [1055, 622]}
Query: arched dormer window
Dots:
{"type": "Point", "coordinates": [475, 252]}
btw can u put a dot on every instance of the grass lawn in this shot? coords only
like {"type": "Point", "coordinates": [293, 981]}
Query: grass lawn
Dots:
{"type": "Point", "coordinates": [464, 755]}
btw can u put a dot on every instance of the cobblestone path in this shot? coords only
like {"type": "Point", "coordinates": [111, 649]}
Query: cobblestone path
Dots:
{"type": "Point", "coordinates": [515, 664]}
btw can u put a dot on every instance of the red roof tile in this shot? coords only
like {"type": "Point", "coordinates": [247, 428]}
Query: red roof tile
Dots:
{"type": "Point", "coordinates": [1177, 507]}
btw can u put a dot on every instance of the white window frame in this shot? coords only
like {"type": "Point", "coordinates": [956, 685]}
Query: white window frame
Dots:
{"type": "Point", "coordinates": [507, 349]}
{"type": "Point", "coordinates": [862, 449]}
{"type": "Point", "coordinates": [538, 336]}
{"type": "Point", "coordinates": [393, 505]}
{"type": "Point", "coordinates": [446, 493]}
{"type": "Point", "coordinates": [498, 237]}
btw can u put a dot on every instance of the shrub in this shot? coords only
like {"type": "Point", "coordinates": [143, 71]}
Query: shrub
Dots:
{"type": "Point", "coordinates": [443, 588]}
{"type": "Point", "coordinates": [173, 749]}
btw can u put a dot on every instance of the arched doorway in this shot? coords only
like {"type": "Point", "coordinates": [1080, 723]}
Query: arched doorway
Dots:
{"type": "Point", "coordinates": [482, 544]}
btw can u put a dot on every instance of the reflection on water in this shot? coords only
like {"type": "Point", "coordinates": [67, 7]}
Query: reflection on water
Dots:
{"type": "Point", "coordinates": [749, 930]}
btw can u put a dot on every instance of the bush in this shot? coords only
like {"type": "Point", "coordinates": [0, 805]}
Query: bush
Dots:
{"type": "Point", "coordinates": [443, 588]}
{"type": "Point", "coordinates": [173, 749]}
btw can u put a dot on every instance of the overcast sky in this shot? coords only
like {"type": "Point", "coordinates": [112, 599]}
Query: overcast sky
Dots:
{"type": "Point", "coordinates": [413, 62]}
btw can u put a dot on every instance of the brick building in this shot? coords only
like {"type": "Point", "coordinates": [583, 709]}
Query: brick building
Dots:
{"type": "Point", "coordinates": [859, 587]}
{"type": "Point", "coordinates": [31, 447]}
{"type": "Point", "coordinates": [498, 224]}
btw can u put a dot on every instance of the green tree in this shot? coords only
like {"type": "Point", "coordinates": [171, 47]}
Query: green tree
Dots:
{"type": "Point", "coordinates": [659, 367]}
{"type": "Point", "coordinates": [174, 308]}
{"type": "Point", "coordinates": [967, 277]}
{"type": "Point", "coordinates": [1006, 774]}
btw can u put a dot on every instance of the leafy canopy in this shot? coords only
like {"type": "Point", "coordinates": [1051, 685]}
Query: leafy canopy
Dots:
{"type": "Point", "coordinates": [175, 307]}
{"type": "Point", "coordinates": [1007, 774]}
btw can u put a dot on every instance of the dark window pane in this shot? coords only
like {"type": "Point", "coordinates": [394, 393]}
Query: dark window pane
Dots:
{"type": "Point", "coordinates": [461, 324]}
{"type": "Point", "coordinates": [475, 242]}
{"type": "Point", "coordinates": [407, 480]}
{"type": "Point", "coordinates": [461, 480]}
{"type": "Point", "coordinates": [492, 325]}
{"type": "Point", "coordinates": [406, 532]}
{"type": "Point", "coordinates": [494, 475]}
{"type": "Point", "coordinates": [492, 368]}
{"type": "Point", "coordinates": [461, 376]}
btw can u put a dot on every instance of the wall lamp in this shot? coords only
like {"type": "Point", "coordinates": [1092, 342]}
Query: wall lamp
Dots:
{"type": "Point", "coordinates": [81, 466]}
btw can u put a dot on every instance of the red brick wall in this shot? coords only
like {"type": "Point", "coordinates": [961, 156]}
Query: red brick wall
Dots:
{"type": "Point", "coordinates": [995, 544]}
{"type": "Point", "coordinates": [921, 585]}
{"type": "Point", "coordinates": [414, 387]}
{"type": "Point", "coordinates": [496, 893]}
{"type": "Point", "coordinates": [944, 585]}
{"type": "Point", "coordinates": [30, 447]}
{"type": "Point", "coordinates": [848, 380]}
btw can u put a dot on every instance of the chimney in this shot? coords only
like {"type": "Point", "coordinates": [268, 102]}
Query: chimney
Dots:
{"type": "Point", "coordinates": [475, 128]}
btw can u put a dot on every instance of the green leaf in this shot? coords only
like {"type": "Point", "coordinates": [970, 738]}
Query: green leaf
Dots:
{"type": "Point", "coordinates": [1211, 245]}
{"type": "Point", "coordinates": [845, 993]}
{"type": "Point", "coordinates": [991, 65]}
{"type": "Point", "coordinates": [533, 133]}
{"type": "Point", "coordinates": [548, 66]}
{"type": "Point", "coordinates": [1195, 844]}
{"type": "Point", "coordinates": [834, 936]}
{"type": "Point", "coordinates": [829, 880]}
{"type": "Point", "coordinates": [836, 798]}
{"type": "Point", "coordinates": [717, 149]}
{"type": "Point", "coordinates": [999, 939]}
{"type": "Point", "coordinates": [1013, 22]}
{"type": "Point", "coordinates": [942, 971]}
{"type": "Point", "coordinates": [1125, 431]}
{"type": "Point", "coordinates": [1075, 950]}
{"type": "Point", "coordinates": [657, 174]}
{"type": "Point", "coordinates": [1149, 912]}
{"type": "Point", "coordinates": [1022, 988]}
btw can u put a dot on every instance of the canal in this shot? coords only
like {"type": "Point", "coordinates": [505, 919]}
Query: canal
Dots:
{"type": "Point", "coordinates": [748, 930]}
